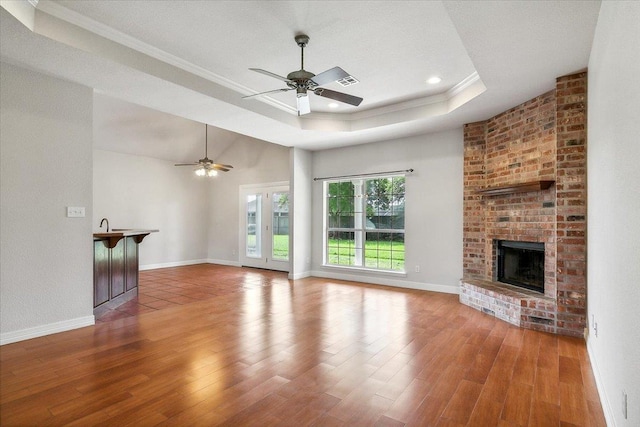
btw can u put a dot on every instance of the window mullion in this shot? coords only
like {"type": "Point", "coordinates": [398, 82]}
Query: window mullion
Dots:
{"type": "Point", "coordinates": [358, 212]}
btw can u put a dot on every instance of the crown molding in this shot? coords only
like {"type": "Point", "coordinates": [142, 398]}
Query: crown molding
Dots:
{"type": "Point", "coordinates": [463, 85]}
{"type": "Point", "coordinates": [109, 33]}
{"type": "Point", "coordinates": [416, 108]}
{"type": "Point", "coordinates": [468, 84]}
{"type": "Point", "coordinates": [442, 98]}
{"type": "Point", "coordinates": [23, 10]}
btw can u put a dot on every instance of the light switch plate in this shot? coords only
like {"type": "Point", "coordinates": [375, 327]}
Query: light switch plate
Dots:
{"type": "Point", "coordinates": [75, 212]}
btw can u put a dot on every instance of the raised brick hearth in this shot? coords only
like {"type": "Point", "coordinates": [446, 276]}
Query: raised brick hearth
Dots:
{"type": "Point", "coordinates": [520, 307]}
{"type": "Point", "coordinates": [543, 139]}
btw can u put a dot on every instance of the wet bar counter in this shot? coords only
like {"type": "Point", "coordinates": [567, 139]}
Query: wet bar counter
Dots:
{"type": "Point", "coordinates": [115, 267]}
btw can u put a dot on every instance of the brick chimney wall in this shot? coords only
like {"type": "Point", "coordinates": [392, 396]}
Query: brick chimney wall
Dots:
{"type": "Point", "coordinates": [571, 202]}
{"type": "Point", "coordinates": [541, 139]}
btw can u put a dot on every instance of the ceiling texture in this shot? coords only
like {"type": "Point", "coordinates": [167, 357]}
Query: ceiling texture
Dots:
{"type": "Point", "coordinates": [165, 67]}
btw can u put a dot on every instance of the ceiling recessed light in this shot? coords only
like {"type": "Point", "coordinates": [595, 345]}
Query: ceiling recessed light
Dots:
{"type": "Point", "coordinates": [333, 105]}
{"type": "Point", "coordinates": [434, 80]}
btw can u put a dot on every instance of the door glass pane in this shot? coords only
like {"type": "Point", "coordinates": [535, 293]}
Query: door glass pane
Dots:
{"type": "Point", "coordinates": [280, 226]}
{"type": "Point", "coordinates": [254, 225]}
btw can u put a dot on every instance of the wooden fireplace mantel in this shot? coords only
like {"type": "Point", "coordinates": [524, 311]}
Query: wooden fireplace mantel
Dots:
{"type": "Point", "coordinates": [522, 187]}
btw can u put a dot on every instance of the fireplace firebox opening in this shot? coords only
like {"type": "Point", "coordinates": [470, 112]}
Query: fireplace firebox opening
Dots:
{"type": "Point", "coordinates": [521, 264]}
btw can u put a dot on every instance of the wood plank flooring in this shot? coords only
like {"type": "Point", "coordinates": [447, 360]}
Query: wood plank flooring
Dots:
{"type": "Point", "coordinates": [213, 345]}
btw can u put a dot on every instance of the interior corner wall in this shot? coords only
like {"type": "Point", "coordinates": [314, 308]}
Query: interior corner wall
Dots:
{"type": "Point", "coordinates": [254, 162]}
{"type": "Point", "coordinates": [433, 216]}
{"type": "Point", "coordinates": [301, 206]}
{"type": "Point", "coordinates": [613, 210]}
{"type": "Point", "coordinates": [46, 279]}
{"type": "Point", "coordinates": [169, 199]}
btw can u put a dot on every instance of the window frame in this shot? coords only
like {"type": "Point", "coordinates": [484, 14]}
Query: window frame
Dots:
{"type": "Point", "coordinates": [363, 230]}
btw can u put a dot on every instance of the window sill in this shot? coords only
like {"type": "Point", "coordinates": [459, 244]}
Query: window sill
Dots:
{"type": "Point", "coordinates": [365, 270]}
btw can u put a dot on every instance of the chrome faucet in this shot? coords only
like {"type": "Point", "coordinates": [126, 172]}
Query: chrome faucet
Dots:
{"type": "Point", "coordinates": [103, 220]}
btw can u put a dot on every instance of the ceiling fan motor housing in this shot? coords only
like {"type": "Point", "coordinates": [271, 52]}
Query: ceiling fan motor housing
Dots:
{"type": "Point", "coordinates": [301, 81]}
{"type": "Point", "coordinates": [302, 77]}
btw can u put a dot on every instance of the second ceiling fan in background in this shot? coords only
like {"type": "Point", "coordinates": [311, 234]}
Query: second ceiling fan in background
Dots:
{"type": "Point", "coordinates": [206, 166]}
{"type": "Point", "coordinates": [302, 81]}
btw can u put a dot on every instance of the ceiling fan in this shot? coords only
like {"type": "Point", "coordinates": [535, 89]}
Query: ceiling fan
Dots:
{"type": "Point", "coordinates": [206, 166]}
{"type": "Point", "coordinates": [301, 81]}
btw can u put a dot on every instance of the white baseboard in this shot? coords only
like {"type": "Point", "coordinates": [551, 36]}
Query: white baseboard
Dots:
{"type": "Point", "coordinates": [447, 289]}
{"type": "Point", "coordinates": [225, 262]}
{"type": "Point", "coordinates": [190, 262]}
{"type": "Point", "coordinates": [48, 329]}
{"type": "Point", "coordinates": [173, 264]}
{"type": "Point", "coordinates": [299, 276]}
{"type": "Point", "coordinates": [606, 404]}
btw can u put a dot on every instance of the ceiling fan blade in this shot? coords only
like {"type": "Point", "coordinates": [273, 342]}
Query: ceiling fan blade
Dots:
{"type": "Point", "coordinates": [303, 105]}
{"type": "Point", "coordinates": [336, 73]}
{"type": "Point", "coordinates": [186, 164]}
{"type": "Point", "coordinates": [267, 92]}
{"type": "Point", "coordinates": [219, 168]}
{"type": "Point", "coordinates": [269, 73]}
{"type": "Point", "coordinates": [338, 96]}
{"type": "Point", "coordinates": [220, 165]}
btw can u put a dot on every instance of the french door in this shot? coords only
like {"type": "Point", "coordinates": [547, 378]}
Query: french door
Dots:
{"type": "Point", "coordinates": [264, 226]}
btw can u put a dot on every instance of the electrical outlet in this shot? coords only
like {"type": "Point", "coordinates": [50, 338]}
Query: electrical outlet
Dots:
{"type": "Point", "coordinates": [75, 212]}
{"type": "Point", "coordinates": [594, 325]}
{"type": "Point", "coordinates": [624, 404]}
{"type": "Point", "coordinates": [417, 269]}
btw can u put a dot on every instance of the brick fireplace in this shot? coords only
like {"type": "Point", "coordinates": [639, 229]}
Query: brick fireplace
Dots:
{"type": "Point", "coordinates": [525, 181]}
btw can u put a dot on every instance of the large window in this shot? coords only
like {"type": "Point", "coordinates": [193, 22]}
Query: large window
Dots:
{"type": "Point", "coordinates": [364, 220]}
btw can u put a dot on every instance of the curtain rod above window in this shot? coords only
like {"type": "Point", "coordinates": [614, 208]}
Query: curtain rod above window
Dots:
{"type": "Point", "coordinates": [363, 174]}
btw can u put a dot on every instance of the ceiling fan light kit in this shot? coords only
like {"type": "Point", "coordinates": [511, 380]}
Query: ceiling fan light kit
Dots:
{"type": "Point", "coordinates": [302, 81]}
{"type": "Point", "coordinates": [203, 171]}
{"type": "Point", "coordinates": [205, 166]}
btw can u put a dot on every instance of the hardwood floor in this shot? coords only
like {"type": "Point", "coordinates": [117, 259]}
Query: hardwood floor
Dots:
{"type": "Point", "coordinates": [214, 345]}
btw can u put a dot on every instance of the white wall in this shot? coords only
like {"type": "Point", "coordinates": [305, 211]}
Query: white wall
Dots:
{"type": "Point", "coordinates": [614, 209]}
{"type": "Point", "coordinates": [254, 162]}
{"type": "Point", "coordinates": [142, 192]}
{"type": "Point", "coordinates": [433, 216]}
{"type": "Point", "coordinates": [46, 279]}
{"type": "Point", "coordinates": [301, 206]}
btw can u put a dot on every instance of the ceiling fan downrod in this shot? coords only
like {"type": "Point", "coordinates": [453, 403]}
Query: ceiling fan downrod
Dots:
{"type": "Point", "coordinates": [302, 40]}
{"type": "Point", "coordinates": [206, 141]}
{"type": "Point", "coordinates": [301, 79]}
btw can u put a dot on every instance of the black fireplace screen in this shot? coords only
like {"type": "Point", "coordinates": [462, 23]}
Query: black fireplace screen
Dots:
{"type": "Point", "coordinates": [521, 264]}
